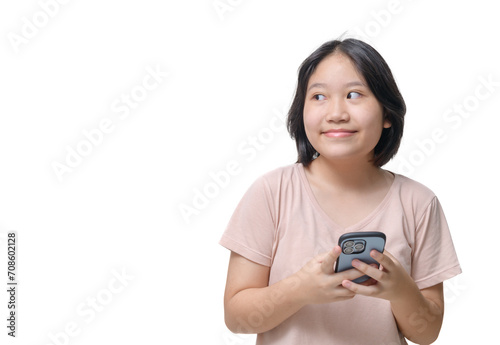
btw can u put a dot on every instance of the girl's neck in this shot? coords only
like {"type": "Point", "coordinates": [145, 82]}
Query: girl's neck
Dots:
{"type": "Point", "coordinates": [347, 174]}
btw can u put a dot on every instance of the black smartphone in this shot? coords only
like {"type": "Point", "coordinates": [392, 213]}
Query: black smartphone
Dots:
{"type": "Point", "coordinates": [358, 245]}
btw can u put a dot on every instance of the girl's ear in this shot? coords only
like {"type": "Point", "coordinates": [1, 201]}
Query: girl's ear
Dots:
{"type": "Point", "coordinates": [387, 123]}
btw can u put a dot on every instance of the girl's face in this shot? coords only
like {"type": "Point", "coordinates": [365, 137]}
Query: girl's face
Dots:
{"type": "Point", "coordinates": [342, 117]}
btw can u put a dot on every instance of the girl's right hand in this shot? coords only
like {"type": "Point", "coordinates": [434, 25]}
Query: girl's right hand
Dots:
{"type": "Point", "coordinates": [318, 283]}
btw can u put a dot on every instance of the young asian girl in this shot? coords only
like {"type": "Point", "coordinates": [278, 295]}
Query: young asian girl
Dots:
{"type": "Point", "coordinates": [347, 120]}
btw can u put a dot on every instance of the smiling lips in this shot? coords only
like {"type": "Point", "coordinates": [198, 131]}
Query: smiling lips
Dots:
{"type": "Point", "coordinates": [339, 133]}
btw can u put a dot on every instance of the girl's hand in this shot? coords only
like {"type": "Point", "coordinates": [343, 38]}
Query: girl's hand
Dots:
{"type": "Point", "coordinates": [318, 283]}
{"type": "Point", "coordinates": [393, 283]}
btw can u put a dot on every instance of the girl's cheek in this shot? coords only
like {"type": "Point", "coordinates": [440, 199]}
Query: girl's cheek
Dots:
{"type": "Point", "coordinates": [309, 126]}
{"type": "Point", "coordinates": [311, 119]}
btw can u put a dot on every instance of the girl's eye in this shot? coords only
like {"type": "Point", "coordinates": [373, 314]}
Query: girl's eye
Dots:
{"type": "Point", "coordinates": [353, 95]}
{"type": "Point", "coordinates": [319, 97]}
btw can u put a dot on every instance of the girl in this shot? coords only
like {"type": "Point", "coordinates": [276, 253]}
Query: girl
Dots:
{"type": "Point", "coordinates": [347, 120]}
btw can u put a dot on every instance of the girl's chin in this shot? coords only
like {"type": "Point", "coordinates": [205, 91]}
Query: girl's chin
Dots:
{"type": "Point", "coordinates": [345, 157]}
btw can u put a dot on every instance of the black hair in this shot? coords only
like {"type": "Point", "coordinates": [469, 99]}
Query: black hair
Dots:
{"type": "Point", "coordinates": [378, 76]}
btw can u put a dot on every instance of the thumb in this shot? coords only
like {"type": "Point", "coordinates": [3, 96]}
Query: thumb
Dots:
{"type": "Point", "coordinates": [329, 260]}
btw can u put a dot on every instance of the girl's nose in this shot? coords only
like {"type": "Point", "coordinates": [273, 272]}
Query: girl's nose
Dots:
{"type": "Point", "coordinates": [337, 112]}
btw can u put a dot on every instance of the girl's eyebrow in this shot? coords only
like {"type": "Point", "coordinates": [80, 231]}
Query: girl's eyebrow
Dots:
{"type": "Point", "coordinates": [349, 84]}
{"type": "Point", "coordinates": [355, 83]}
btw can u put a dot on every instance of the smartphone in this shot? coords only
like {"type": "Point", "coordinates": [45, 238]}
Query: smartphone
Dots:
{"type": "Point", "coordinates": [358, 245]}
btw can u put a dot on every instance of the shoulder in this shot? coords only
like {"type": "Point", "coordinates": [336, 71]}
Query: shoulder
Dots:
{"type": "Point", "coordinates": [277, 181]}
{"type": "Point", "coordinates": [413, 192]}
{"type": "Point", "coordinates": [284, 173]}
{"type": "Point", "coordinates": [265, 194]}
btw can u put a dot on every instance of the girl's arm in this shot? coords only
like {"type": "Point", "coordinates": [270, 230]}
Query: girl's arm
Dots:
{"type": "Point", "coordinates": [251, 306]}
{"type": "Point", "coordinates": [418, 313]}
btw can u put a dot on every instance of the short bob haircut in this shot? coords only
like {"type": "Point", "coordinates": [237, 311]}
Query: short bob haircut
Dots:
{"type": "Point", "coordinates": [377, 74]}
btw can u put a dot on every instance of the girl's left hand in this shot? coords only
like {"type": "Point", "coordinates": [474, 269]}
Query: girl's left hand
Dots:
{"type": "Point", "coordinates": [393, 283]}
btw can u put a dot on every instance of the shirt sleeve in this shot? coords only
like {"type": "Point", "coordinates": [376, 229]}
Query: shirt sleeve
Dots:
{"type": "Point", "coordinates": [434, 258]}
{"type": "Point", "coordinates": [251, 229]}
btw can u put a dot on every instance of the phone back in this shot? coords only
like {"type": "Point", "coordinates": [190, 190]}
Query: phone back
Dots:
{"type": "Point", "coordinates": [358, 245]}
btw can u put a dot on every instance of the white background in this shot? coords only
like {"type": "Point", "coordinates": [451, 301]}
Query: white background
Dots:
{"type": "Point", "coordinates": [230, 73]}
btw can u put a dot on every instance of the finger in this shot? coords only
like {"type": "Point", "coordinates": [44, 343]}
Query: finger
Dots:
{"type": "Point", "coordinates": [342, 294]}
{"type": "Point", "coordinates": [390, 256]}
{"type": "Point", "coordinates": [349, 275]}
{"type": "Point", "coordinates": [369, 270]}
{"type": "Point", "coordinates": [368, 282]}
{"type": "Point", "coordinates": [329, 260]}
{"type": "Point", "coordinates": [386, 259]}
{"type": "Point", "coordinates": [339, 293]}
{"type": "Point", "coordinates": [339, 299]}
{"type": "Point", "coordinates": [359, 289]}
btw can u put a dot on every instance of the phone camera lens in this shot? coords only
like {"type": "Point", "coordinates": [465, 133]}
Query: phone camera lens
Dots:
{"type": "Point", "coordinates": [359, 246]}
{"type": "Point", "coordinates": [348, 250]}
{"type": "Point", "coordinates": [349, 244]}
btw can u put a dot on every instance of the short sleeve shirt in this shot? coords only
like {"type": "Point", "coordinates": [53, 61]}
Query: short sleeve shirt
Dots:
{"type": "Point", "coordinates": [279, 224]}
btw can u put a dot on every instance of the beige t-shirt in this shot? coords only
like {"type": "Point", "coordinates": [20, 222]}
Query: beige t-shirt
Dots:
{"type": "Point", "coordinates": [279, 224]}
